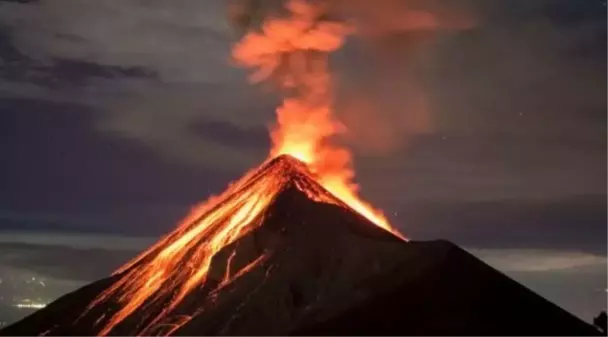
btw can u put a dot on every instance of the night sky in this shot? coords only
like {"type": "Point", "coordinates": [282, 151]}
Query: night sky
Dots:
{"type": "Point", "coordinates": [488, 130]}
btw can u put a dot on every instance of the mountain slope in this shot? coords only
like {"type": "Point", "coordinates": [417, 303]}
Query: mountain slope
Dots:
{"type": "Point", "coordinates": [458, 295]}
{"type": "Point", "coordinates": [301, 248]}
{"type": "Point", "coordinates": [311, 265]}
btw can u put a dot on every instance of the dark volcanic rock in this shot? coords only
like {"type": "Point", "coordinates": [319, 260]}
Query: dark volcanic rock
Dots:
{"type": "Point", "coordinates": [458, 295]}
{"type": "Point", "coordinates": [322, 269]}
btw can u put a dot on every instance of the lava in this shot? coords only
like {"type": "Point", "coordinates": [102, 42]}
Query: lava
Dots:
{"type": "Point", "coordinates": [169, 270]}
{"type": "Point", "coordinates": [292, 51]}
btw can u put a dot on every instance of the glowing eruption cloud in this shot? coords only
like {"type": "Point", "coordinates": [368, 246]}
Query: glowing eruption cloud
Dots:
{"type": "Point", "coordinates": [293, 51]}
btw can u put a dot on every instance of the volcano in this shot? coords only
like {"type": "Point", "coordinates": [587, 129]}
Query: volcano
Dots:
{"type": "Point", "coordinates": [279, 255]}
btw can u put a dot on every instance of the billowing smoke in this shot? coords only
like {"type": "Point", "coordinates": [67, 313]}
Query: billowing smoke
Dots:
{"type": "Point", "coordinates": [370, 17]}
{"type": "Point", "coordinates": [377, 93]}
{"type": "Point", "coordinates": [291, 49]}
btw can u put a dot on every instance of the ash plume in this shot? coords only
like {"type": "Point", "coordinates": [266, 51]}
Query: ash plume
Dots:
{"type": "Point", "coordinates": [376, 113]}
{"type": "Point", "coordinates": [291, 49]}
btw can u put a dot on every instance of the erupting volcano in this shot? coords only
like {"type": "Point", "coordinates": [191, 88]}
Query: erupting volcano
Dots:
{"type": "Point", "coordinates": [278, 254]}
{"type": "Point", "coordinates": [292, 51]}
{"type": "Point", "coordinates": [154, 293]}
{"type": "Point", "coordinates": [166, 273]}
{"type": "Point", "coordinates": [290, 248]}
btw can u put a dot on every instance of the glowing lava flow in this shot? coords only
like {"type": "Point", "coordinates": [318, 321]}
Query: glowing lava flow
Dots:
{"type": "Point", "coordinates": [172, 268]}
{"type": "Point", "coordinates": [294, 51]}
{"type": "Point", "coordinates": [168, 271]}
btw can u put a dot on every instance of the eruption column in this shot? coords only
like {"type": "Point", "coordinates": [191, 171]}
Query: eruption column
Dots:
{"type": "Point", "coordinates": [292, 51]}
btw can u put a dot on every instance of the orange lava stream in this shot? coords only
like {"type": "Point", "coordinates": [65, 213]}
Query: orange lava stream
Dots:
{"type": "Point", "coordinates": [230, 278]}
{"type": "Point", "coordinates": [182, 259]}
{"type": "Point", "coordinates": [293, 51]}
{"type": "Point", "coordinates": [179, 263]}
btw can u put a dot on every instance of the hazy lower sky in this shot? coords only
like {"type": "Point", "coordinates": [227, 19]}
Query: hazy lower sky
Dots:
{"type": "Point", "coordinates": [46, 265]}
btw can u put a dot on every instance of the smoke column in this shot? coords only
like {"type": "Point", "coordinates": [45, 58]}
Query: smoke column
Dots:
{"type": "Point", "coordinates": [382, 101]}
{"type": "Point", "coordinates": [291, 50]}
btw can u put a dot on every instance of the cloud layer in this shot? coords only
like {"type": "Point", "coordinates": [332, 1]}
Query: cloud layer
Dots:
{"type": "Point", "coordinates": [65, 262]}
{"type": "Point", "coordinates": [529, 260]}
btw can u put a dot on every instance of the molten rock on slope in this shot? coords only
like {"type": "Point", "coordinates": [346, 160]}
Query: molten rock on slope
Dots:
{"type": "Point", "coordinates": [311, 265]}
{"type": "Point", "coordinates": [193, 268]}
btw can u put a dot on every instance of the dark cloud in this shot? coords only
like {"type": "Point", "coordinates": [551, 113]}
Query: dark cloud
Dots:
{"type": "Point", "coordinates": [15, 66]}
{"type": "Point", "coordinates": [173, 64]}
{"type": "Point", "coordinates": [459, 167]}
{"type": "Point", "coordinates": [57, 165]}
{"type": "Point", "coordinates": [19, 1]}
{"type": "Point", "coordinates": [255, 138]}
{"type": "Point", "coordinates": [577, 223]}
{"type": "Point", "coordinates": [166, 118]}
{"type": "Point", "coordinates": [185, 40]}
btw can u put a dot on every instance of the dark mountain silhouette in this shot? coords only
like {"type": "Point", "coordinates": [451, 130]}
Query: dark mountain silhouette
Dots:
{"type": "Point", "coordinates": [319, 268]}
